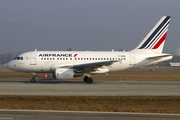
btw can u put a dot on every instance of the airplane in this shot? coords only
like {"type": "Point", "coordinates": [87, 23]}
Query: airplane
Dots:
{"type": "Point", "coordinates": [69, 64]}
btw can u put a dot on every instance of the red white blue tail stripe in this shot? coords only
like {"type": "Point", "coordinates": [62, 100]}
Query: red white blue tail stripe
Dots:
{"type": "Point", "coordinates": [156, 36]}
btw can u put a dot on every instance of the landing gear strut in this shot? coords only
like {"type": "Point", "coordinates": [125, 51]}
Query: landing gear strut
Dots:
{"type": "Point", "coordinates": [34, 76]}
{"type": "Point", "coordinates": [87, 79]}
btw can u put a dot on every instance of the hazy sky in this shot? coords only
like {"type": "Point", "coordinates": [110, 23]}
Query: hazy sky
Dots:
{"type": "Point", "coordinates": [84, 24]}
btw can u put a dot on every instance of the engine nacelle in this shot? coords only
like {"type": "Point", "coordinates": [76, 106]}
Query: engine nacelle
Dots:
{"type": "Point", "coordinates": [63, 73]}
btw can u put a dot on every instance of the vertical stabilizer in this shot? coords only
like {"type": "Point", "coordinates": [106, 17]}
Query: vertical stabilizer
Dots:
{"type": "Point", "coordinates": [155, 39]}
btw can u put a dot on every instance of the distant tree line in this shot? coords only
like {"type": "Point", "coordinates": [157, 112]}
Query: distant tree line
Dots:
{"type": "Point", "coordinates": [4, 58]}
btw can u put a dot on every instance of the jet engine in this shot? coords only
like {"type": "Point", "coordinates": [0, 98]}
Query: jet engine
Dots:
{"type": "Point", "coordinates": [66, 73]}
{"type": "Point", "coordinates": [63, 73]}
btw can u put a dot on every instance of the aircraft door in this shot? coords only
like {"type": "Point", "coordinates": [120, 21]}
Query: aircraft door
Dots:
{"type": "Point", "coordinates": [33, 59]}
{"type": "Point", "coordinates": [132, 59]}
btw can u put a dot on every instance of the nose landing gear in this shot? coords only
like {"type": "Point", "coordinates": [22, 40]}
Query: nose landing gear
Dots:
{"type": "Point", "coordinates": [34, 76]}
{"type": "Point", "coordinates": [33, 80]}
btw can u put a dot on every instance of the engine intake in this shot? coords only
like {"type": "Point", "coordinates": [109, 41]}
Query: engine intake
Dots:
{"type": "Point", "coordinates": [63, 73]}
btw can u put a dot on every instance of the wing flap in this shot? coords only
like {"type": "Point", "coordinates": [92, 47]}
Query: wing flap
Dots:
{"type": "Point", "coordinates": [91, 67]}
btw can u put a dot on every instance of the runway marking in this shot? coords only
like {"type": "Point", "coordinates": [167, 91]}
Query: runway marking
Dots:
{"type": "Point", "coordinates": [92, 112]}
{"type": "Point", "coordinates": [6, 118]}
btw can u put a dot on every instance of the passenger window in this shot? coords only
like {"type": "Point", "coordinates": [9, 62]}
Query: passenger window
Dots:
{"type": "Point", "coordinates": [57, 58]}
{"type": "Point", "coordinates": [60, 58]}
{"type": "Point", "coordinates": [81, 58]}
{"type": "Point", "coordinates": [53, 58]}
{"type": "Point", "coordinates": [44, 58]}
{"type": "Point", "coordinates": [63, 58]}
{"type": "Point", "coordinates": [101, 58]}
{"type": "Point", "coordinates": [70, 58]}
{"type": "Point", "coordinates": [66, 58]}
{"type": "Point", "coordinates": [98, 58]}
{"type": "Point", "coordinates": [50, 58]}
{"type": "Point", "coordinates": [41, 58]}
{"type": "Point", "coordinates": [87, 58]}
{"type": "Point", "coordinates": [47, 58]}
{"type": "Point", "coordinates": [75, 58]}
{"type": "Point", "coordinates": [78, 58]}
{"type": "Point", "coordinates": [84, 58]}
{"type": "Point", "coordinates": [124, 58]}
{"type": "Point", "coordinates": [104, 58]}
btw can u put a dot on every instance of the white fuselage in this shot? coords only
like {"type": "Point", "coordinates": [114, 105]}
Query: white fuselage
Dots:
{"type": "Point", "coordinates": [47, 61]}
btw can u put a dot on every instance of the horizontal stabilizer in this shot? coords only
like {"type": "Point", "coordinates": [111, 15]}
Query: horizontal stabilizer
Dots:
{"type": "Point", "coordinates": [158, 57]}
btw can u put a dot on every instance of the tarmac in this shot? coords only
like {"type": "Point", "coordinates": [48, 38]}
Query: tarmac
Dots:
{"type": "Point", "coordinates": [81, 115]}
{"type": "Point", "coordinates": [97, 88]}
{"type": "Point", "coordinates": [23, 86]}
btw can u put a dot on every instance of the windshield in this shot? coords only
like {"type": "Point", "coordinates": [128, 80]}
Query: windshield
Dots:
{"type": "Point", "coordinates": [18, 58]}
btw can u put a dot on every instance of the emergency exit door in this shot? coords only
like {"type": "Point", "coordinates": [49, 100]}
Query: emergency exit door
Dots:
{"type": "Point", "coordinates": [132, 59]}
{"type": "Point", "coordinates": [33, 59]}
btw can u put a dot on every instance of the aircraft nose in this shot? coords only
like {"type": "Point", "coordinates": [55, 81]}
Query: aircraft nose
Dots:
{"type": "Point", "coordinates": [10, 65]}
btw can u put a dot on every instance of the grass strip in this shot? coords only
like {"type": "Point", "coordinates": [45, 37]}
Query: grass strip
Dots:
{"type": "Point", "coordinates": [142, 104]}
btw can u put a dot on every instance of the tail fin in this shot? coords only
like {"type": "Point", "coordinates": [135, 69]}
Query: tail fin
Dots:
{"type": "Point", "coordinates": [155, 39]}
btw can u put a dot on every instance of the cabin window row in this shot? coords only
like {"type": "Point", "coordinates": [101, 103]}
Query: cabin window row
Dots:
{"type": "Point", "coordinates": [83, 59]}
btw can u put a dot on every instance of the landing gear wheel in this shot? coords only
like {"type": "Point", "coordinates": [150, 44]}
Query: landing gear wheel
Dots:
{"type": "Point", "coordinates": [85, 78]}
{"type": "Point", "coordinates": [33, 80]}
{"type": "Point", "coordinates": [89, 80]}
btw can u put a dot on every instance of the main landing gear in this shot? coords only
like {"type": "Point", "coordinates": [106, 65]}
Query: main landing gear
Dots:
{"type": "Point", "coordinates": [87, 79]}
{"type": "Point", "coordinates": [34, 76]}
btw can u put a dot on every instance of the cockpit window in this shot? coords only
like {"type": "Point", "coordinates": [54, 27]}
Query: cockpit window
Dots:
{"type": "Point", "coordinates": [18, 58]}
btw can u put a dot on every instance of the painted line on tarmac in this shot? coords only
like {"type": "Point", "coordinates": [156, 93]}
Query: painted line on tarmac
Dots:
{"type": "Point", "coordinates": [6, 118]}
{"type": "Point", "coordinates": [91, 112]}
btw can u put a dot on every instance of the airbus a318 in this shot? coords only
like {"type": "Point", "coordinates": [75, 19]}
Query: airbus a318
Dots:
{"type": "Point", "coordinates": [69, 64]}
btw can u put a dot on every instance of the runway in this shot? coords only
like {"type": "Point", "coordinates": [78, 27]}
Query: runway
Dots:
{"type": "Point", "coordinates": [98, 88]}
{"type": "Point", "coordinates": [79, 88]}
{"type": "Point", "coordinates": [77, 115]}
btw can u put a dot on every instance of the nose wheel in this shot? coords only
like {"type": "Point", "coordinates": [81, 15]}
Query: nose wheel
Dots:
{"type": "Point", "coordinates": [33, 80]}
{"type": "Point", "coordinates": [34, 76]}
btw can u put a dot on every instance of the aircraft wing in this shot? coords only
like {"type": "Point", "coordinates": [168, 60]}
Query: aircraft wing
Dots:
{"type": "Point", "coordinates": [90, 67]}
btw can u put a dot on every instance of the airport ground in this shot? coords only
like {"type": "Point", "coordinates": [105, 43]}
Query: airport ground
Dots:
{"type": "Point", "coordinates": [146, 73]}
{"type": "Point", "coordinates": [118, 103]}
